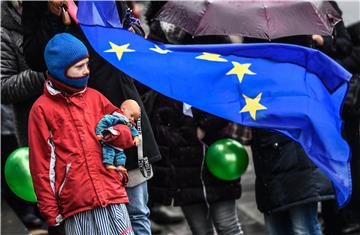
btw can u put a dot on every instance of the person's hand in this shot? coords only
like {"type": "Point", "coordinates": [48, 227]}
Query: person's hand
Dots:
{"type": "Point", "coordinates": [55, 6]}
{"type": "Point", "coordinates": [125, 178]}
{"type": "Point", "coordinates": [200, 133]}
{"type": "Point", "coordinates": [136, 140]}
{"type": "Point", "coordinates": [65, 17]}
{"type": "Point", "coordinates": [56, 229]}
{"type": "Point", "coordinates": [99, 137]}
{"type": "Point", "coordinates": [121, 169]}
{"type": "Point", "coordinates": [318, 39]}
{"type": "Point", "coordinates": [131, 29]}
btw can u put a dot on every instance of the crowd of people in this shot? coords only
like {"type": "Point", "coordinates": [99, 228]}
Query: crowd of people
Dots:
{"type": "Point", "coordinates": [80, 117]}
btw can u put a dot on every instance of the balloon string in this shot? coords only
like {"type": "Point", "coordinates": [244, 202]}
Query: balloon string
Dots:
{"type": "Point", "coordinates": [204, 146]}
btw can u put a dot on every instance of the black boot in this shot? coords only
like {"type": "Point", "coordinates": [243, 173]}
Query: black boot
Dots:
{"type": "Point", "coordinates": [164, 215]}
{"type": "Point", "coordinates": [31, 220]}
{"type": "Point", "coordinates": [352, 228]}
{"type": "Point", "coordinates": [155, 228]}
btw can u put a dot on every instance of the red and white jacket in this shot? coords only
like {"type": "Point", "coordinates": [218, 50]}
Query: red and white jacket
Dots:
{"type": "Point", "coordinates": [65, 156]}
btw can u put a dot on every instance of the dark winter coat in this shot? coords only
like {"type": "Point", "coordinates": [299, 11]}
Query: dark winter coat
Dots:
{"type": "Point", "coordinates": [19, 85]}
{"type": "Point", "coordinates": [178, 176]}
{"type": "Point", "coordinates": [351, 112]}
{"type": "Point", "coordinates": [344, 47]}
{"type": "Point", "coordinates": [285, 176]}
{"type": "Point", "coordinates": [7, 120]}
{"type": "Point", "coordinates": [39, 26]}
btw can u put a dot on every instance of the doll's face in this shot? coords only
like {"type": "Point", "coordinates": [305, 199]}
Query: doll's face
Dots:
{"type": "Point", "coordinates": [131, 111]}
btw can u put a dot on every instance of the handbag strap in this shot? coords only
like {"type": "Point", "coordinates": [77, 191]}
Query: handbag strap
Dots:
{"type": "Point", "coordinates": [144, 164]}
{"type": "Point", "coordinates": [140, 146]}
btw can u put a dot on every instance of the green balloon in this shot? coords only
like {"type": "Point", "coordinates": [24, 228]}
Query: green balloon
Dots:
{"type": "Point", "coordinates": [17, 174]}
{"type": "Point", "coordinates": [227, 159]}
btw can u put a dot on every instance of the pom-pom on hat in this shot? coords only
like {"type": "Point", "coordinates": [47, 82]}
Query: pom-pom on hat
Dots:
{"type": "Point", "coordinates": [61, 52]}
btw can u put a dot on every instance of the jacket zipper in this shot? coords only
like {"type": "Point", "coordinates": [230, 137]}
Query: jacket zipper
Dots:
{"type": "Point", "coordinates": [204, 146]}
{"type": "Point", "coordinates": [64, 181]}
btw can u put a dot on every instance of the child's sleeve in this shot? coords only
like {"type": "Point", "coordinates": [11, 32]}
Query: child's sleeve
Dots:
{"type": "Point", "coordinates": [42, 166]}
{"type": "Point", "coordinates": [106, 122]}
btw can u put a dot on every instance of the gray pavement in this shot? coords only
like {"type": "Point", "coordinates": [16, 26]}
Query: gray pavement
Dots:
{"type": "Point", "coordinates": [10, 223]}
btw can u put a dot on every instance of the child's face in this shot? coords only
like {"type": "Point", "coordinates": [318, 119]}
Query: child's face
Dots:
{"type": "Point", "coordinates": [79, 70]}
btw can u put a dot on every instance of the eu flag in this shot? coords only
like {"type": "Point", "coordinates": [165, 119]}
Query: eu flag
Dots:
{"type": "Point", "coordinates": [294, 90]}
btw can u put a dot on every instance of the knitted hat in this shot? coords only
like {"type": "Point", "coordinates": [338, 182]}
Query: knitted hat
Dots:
{"type": "Point", "coordinates": [61, 52]}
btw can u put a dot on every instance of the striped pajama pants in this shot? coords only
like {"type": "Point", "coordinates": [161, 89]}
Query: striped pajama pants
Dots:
{"type": "Point", "coordinates": [111, 220]}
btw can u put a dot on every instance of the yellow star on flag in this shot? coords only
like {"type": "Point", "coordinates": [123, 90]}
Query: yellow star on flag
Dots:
{"type": "Point", "coordinates": [240, 70]}
{"type": "Point", "coordinates": [211, 57]}
{"type": "Point", "coordinates": [252, 105]}
{"type": "Point", "coordinates": [119, 50]}
{"type": "Point", "coordinates": [159, 50]}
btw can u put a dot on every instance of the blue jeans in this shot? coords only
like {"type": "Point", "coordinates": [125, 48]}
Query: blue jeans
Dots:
{"type": "Point", "coordinates": [298, 220]}
{"type": "Point", "coordinates": [138, 210]}
{"type": "Point", "coordinates": [223, 216]}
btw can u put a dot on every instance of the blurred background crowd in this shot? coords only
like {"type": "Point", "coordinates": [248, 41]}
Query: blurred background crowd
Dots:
{"type": "Point", "coordinates": [180, 179]}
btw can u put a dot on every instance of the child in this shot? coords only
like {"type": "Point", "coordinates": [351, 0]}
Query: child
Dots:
{"type": "Point", "coordinates": [71, 183]}
{"type": "Point", "coordinates": [109, 131]}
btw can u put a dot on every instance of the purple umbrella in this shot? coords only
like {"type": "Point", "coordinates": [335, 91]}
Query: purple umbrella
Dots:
{"type": "Point", "coordinates": [256, 18]}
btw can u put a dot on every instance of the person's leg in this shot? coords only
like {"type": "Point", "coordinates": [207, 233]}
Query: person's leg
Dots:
{"type": "Point", "coordinates": [278, 223]}
{"type": "Point", "coordinates": [120, 158]}
{"type": "Point", "coordinates": [108, 156]}
{"type": "Point", "coordinates": [225, 218]}
{"type": "Point", "coordinates": [138, 210]}
{"type": "Point", "coordinates": [304, 219]}
{"type": "Point", "coordinates": [332, 217]}
{"type": "Point", "coordinates": [110, 220]}
{"type": "Point", "coordinates": [162, 214]}
{"type": "Point", "coordinates": [196, 216]}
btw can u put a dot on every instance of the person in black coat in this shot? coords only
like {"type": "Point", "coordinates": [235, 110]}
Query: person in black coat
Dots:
{"type": "Point", "coordinates": [182, 178]}
{"type": "Point", "coordinates": [20, 86]}
{"type": "Point", "coordinates": [288, 185]}
{"type": "Point", "coordinates": [40, 24]}
{"type": "Point", "coordinates": [351, 114]}
{"type": "Point", "coordinates": [346, 220]}
{"type": "Point", "coordinates": [344, 47]}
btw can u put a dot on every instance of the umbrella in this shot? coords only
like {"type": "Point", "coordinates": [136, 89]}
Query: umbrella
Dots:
{"type": "Point", "coordinates": [256, 18]}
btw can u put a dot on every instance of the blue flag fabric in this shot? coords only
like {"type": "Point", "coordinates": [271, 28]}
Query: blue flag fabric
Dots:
{"type": "Point", "coordinates": [290, 89]}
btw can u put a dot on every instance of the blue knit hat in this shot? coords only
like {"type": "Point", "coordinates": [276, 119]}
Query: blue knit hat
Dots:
{"type": "Point", "coordinates": [61, 52]}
